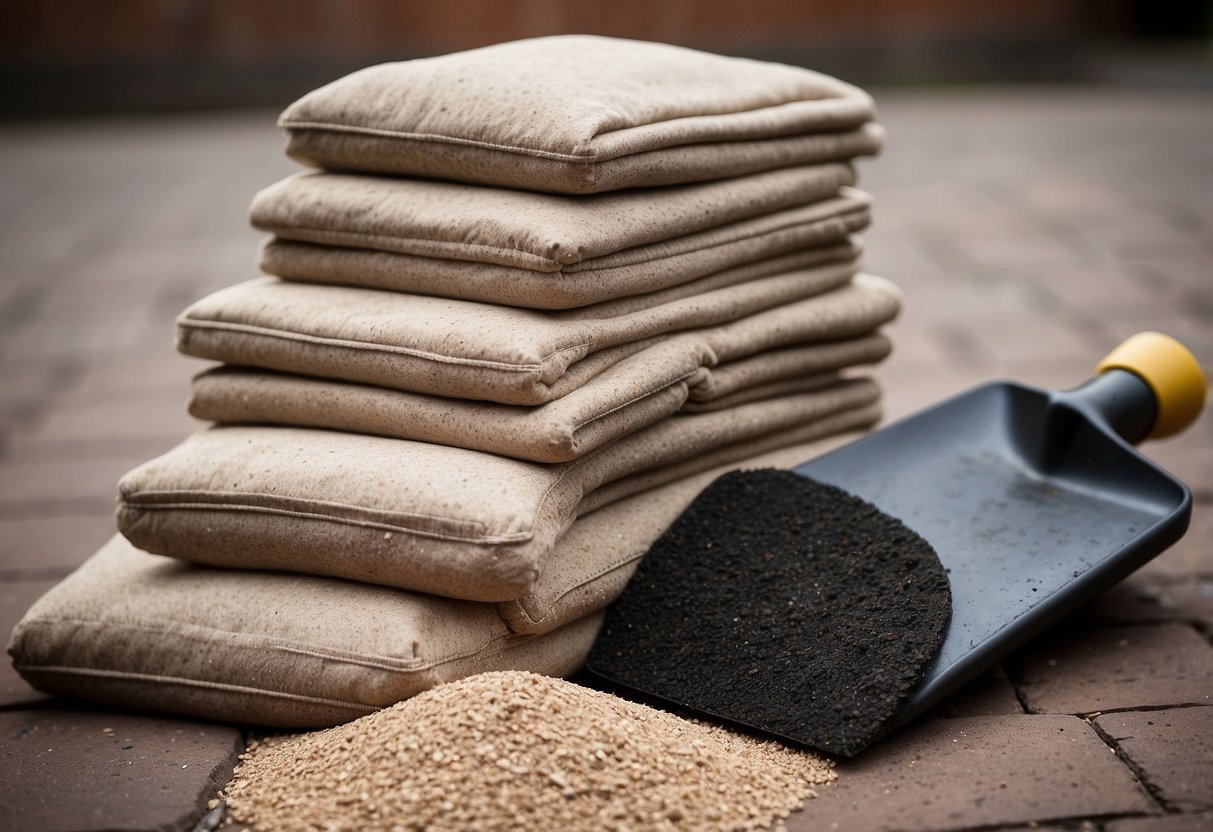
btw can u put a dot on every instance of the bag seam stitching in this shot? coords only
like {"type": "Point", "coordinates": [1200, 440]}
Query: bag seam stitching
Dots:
{"type": "Point", "coordinates": [94, 673]}
{"type": "Point", "coordinates": [824, 230]}
{"type": "Point", "coordinates": [520, 603]}
{"type": "Point", "coordinates": [136, 503]}
{"type": "Point", "coordinates": [823, 226]}
{"type": "Point", "coordinates": [364, 236]}
{"type": "Point", "coordinates": [849, 208]}
{"type": "Point", "coordinates": [144, 625]}
{"type": "Point", "coordinates": [398, 666]}
{"type": "Point", "coordinates": [590, 158]}
{"type": "Point", "coordinates": [255, 329]}
{"type": "Point", "coordinates": [440, 138]}
{"type": "Point", "coordinates": [635, 399]}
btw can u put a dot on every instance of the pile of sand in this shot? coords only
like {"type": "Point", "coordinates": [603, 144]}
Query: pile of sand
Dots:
{"type": "Point", "coordinates": [517, 750]}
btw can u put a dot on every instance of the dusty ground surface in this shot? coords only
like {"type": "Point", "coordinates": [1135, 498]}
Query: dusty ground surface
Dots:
{"type": "Point", "coordinates": [1031, 229]}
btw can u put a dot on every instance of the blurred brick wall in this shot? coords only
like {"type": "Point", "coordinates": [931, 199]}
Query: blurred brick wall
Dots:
{"type": "Point", "coordinates": [88, 55]}
{"type": "Point", "coordinates": [76, 29]}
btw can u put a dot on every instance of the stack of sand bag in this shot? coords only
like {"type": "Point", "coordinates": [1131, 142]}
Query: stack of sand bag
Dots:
{"type": "Point", "coordinates": [532, 299]}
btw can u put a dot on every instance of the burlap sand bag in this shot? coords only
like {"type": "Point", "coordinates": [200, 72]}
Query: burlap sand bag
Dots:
{"type": "Point", "coordinates": [637, 392]}
{"type": "Point", "coordinates": [147, 632]}
{"type": "Point", "coordinates": [144, 631]}
{"type": "Point", "coordinates": [461, 349]}
{"type": "Point", "coordinates": [579, 114]}
{"type": "Point", "coordinates": [433, 518]}
{"type": "Point", "coordinates": [544, 251]}
{"type": "Point", "coordinates": [821, 238]}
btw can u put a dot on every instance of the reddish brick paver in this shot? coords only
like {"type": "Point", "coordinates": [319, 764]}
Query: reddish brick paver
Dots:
{"type": "Point", "coordinates": [33, 545]}
{"type": "Point", "coordinates": [1166, 823]}
{"type": "Point", "coordinates": [1030, 229]}
{"type": "Point", "coordinates": [1149, 598]}
{"type": "Point", "coordinates": [960, 773]}
{"type": "Point", "coordinates": [155, 416]}
{"type": "Point", "coordinates": [63, 483]}
{"type": "Point", "coordinates": [15, 598]}
{"type": "Point", "coordinates": [83, 770]}
{"type": "Point", "coordinates": [1172, 749]}
{"type": "Point", "coordinates": [1193, 555]}
{"type": "Point", "coordinates": [1115, 667]}
{"type": "Point", "coordinates": [991, 695]}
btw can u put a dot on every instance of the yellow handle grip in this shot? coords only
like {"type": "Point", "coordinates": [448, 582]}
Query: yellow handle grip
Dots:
{"type": "Point", "coordinates": [1172, 373]}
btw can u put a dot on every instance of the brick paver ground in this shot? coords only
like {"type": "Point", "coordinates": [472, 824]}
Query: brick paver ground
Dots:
{"type": "Point", "coordinates": [1172, 749]}
{"type": "Point", "coordinates": [1031, 229]}
{"type": "Point", "coordinates": [978, 771]}
{"type": "Point", "coordinates": [87, 770]}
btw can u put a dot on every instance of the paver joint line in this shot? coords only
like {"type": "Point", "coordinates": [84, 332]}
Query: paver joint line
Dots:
{"type": "Point", "coordinates": [1138, 774]}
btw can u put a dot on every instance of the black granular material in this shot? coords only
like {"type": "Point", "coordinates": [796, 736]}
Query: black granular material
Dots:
{"type": "Point", "coordinates": [783, 604]}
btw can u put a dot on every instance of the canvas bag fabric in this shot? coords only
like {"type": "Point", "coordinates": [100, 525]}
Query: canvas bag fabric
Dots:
{"type": "Point", "coordinates": [544, 251]}
{"type": "Point", "coordinates": [825, 236]}
{"type": "Point", "coordinates": [579, 114]}
{"type": "Point", "coordinates": [432, 518]}
{"type": "Point", "coordinates": [539, 232]}
{"type": "Point", "coordinates": [461, 349]}
{"type": "Point", "coordinates": [141, 631]}
{"type": "Point", "coordinates": [635, 393]}
{"type": "Point", "coordinates": [271, 648]}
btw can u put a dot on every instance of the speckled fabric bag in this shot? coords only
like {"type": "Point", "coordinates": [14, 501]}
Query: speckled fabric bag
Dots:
{"type": "Point", "coordinates": [461, 349]}
{"type": "Point", "coordinates": [262, 648]}
{"type": "Point", "coordinates": [579, 114]}
{"type": "Point", "coordinates": [637, 392]}
{"type": "Point", "coordinates": [432, 518]}
{"type": "Point", "coordinates": [550, 252]}
{"type": "Point", "coordinates": [272, 648]}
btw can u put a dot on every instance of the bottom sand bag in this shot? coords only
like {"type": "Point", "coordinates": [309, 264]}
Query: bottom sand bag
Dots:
{"type": "Point", "coordinates": [149, 632]}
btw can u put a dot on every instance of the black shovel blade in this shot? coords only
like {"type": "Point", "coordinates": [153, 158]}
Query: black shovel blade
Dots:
{"type": "Point", "coordinates": [1032, 500]}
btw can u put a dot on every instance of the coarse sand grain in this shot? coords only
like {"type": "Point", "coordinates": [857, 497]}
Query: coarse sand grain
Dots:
{"type": "Point", "coordinates": [514, 750]}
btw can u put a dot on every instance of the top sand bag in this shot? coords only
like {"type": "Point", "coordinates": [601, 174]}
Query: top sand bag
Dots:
{"type": "Point", "coordinates": [578, 115]}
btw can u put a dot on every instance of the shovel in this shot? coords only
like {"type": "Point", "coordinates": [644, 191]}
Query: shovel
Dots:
{"type": "Point", "coordinates": [1035, 500]}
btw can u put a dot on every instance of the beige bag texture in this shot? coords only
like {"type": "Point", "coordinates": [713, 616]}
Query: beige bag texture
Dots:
{"type": "Point", "coordinates": [433, 518]}
{"type": "Point", "coordinates": [299, 651]}
{"type": "Point", "coordinates": [461, 349]}
{"type": "Point", "coordinates": [147, 632]}
{"type": "Point", "coordinates": [636, 392]}
{"type": "Point", "coordinates": [539, 232]}
{"type": "Point", "coordinates": [522, 248]}
{"type": "Point", "coordinates": [818, 234]}
{"type": "Point", "coordinates": [579, 114]}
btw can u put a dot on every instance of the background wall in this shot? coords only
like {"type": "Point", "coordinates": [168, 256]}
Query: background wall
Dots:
{"type": "Point", "coordinates": [77, 56]}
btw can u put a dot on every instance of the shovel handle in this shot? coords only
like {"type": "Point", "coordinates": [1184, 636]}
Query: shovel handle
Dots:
{"type": "Point", "coordinates": [1172, 374]}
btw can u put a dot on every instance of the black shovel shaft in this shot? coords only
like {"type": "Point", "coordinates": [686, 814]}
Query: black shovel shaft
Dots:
{"type": "Point", "coordinates": [1119, 399]}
